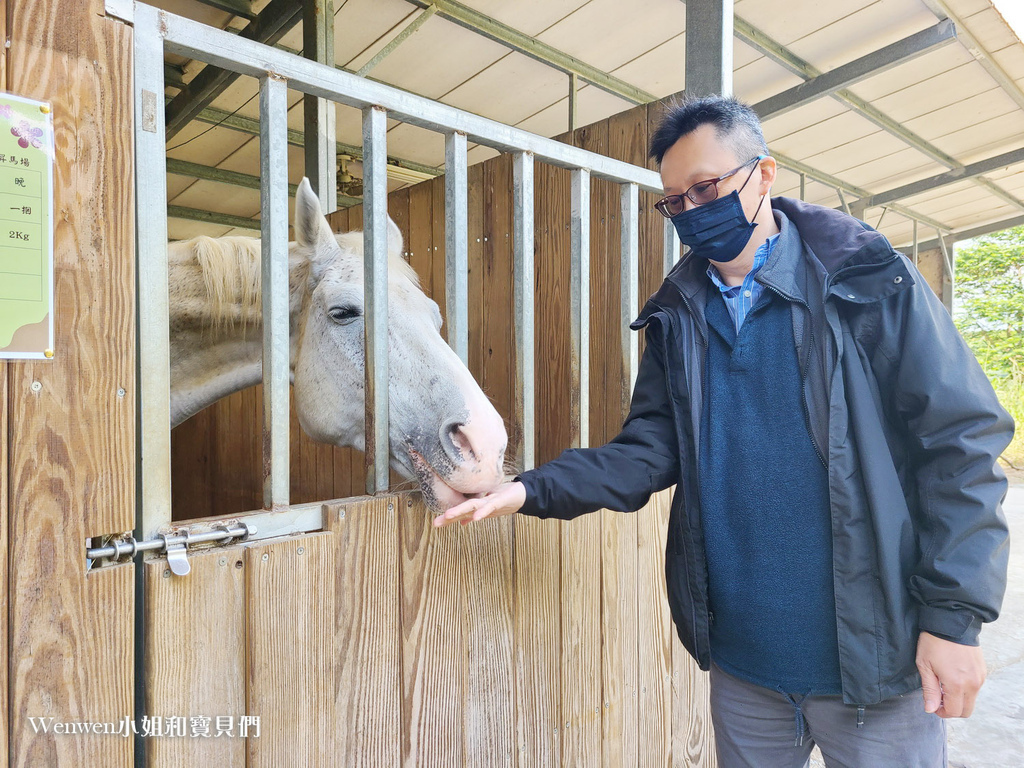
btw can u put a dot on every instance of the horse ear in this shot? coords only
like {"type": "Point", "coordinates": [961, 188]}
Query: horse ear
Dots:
{"type": "Point", "coordinates": [311, 227]}
{"type": "Point", "coordinates": [395, 240]}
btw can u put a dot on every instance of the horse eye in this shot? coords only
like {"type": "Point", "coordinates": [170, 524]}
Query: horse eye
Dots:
{"type": "Point", "coordinates": [344, 315]}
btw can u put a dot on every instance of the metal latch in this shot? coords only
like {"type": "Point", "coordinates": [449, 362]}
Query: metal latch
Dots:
{"type": "Point", "coordinates": [173, 544]}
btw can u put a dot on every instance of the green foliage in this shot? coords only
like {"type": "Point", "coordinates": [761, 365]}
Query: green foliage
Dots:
{"type": "Point", "coordinates": [990, 300]}
{"type": "Point", "coordinates": [989, 312]}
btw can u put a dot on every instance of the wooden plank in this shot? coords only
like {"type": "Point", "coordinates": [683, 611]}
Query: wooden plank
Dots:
{"type": "Point", "coordinates": [693, 743]}
{"type": "Point", "coordinates": [433, 647]}
{"type": "Point", "coordinates": [290, 615]}
{"type": "Point", "coordinates": [71, 446]}
{"type": "Point", "coordinates": [488, 679]}
{"type": "Point", "coordinates": [421, 235]}
{"type": "Point", "coordinates": [367, 633]}
{"type": "Point", "coordinates": [437, 251]}
{"type": "Point", "coordinates": [195, 656]}
{"type": "Point", "coordinates": [654, 632]}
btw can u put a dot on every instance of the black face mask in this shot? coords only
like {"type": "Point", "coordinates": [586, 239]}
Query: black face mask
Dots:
{"type": "Point", "coordinates": [716, 231]}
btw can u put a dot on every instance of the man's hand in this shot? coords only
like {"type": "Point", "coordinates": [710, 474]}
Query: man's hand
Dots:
{"type": "Point", "coordinates": [951, 675]}
{"type": "Point", "coordinates": [503, 500]}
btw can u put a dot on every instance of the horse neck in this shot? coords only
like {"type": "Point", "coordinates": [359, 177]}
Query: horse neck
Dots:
{"type": "Point", "coordinates": [217, 340]}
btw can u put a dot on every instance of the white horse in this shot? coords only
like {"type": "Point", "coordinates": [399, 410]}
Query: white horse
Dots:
{"type": "Point", "coordinates": [443, 429]}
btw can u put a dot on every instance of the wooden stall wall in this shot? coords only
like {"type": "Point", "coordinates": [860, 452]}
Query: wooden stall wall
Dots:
{"type": "Point", "coordinates": [516, 642]}
{"type": "Point", "coordinates": [67, 466]}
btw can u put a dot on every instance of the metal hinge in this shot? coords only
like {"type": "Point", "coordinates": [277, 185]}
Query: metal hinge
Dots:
{"type": "Point", "coordinates": [173, 544]}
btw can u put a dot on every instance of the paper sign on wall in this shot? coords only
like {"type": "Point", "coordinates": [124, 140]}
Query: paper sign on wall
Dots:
{"type": "Point", "coordinates": [26, 228]}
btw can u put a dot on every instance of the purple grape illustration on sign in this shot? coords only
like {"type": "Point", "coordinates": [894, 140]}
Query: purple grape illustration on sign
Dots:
{"type": "Point", "coordinates": [28, 135]}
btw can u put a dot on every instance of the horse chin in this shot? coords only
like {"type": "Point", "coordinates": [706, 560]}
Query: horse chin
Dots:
{"type": "Point", "coordinates": [437, 494]}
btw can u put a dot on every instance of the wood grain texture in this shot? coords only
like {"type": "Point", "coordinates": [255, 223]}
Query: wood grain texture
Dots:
{"type": "Point", "coordinates": [5, 712]}
{"type": "Point", "coordinates": [290, 622]}
{"type": "Point", "coordinates": [367, 633]}
{"type": "Point", "coordinates": [433, 643]}
{"type": "Point", "coordinates": [195, 655]}
{"type": "Point", "coordinates": [71, 445]}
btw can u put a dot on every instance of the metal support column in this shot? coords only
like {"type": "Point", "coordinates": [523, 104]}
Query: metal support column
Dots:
{"type": "Point", "coordinates": [709, 41]}
{"type": "Point", "coordinates": [276, 325]}
{"type": "Point", "coordinates": [670, 246]}
{"type": "Point", "coordinates": [523, 278]}
{"type": "Point", "coordinates": [579, 312]}
{"type": "Point", "coordinates": [375, 289]}
{"type": "Point", "coordinates": [319, 113]}
{"type": "Point", "coordinates": [629, 286]}
{"type": "Point", "coordinates": [574, 86]}
{"type": "Point", "coordinates": [946, 247]}
{"type": "Point", "coordinates": [456, 248]}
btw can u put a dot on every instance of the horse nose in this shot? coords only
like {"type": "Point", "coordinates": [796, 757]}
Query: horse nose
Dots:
{"type": "Point", "coordinates": [457, 443]}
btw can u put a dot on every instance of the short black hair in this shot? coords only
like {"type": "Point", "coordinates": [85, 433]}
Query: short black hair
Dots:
{"type": "Point", "coordinates": [734, 122]}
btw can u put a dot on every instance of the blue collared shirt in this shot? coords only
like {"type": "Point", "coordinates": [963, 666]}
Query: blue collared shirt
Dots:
{"type": "Point", "coordinates": [740, 298]}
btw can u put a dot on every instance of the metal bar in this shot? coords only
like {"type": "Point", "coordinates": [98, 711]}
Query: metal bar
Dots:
{"type": "Point", "coordinates": [154, 471]}
{"type": "Point", "coordinates": [980, 52]}
{"type": "Point", "coordinates": [153, 365]}
{"type": "Point", "coordinates": [803, 186]}
{"type": "Point", "coordinates": [276, 324]}
{"type": "Point", "coordinates": [189, 38]}
{"type": "Point", "coordinates": [878, 224]}
{"type": "Point", "coordinates": [400, 38]}
{"type": "Point", "coordinates": [842, 201]}
{"type": "Point", "coordinates": [629, 219]}
{"type": "Point", "coordinates": [574, 87]}
{"type": "Point", "coordinates": [670, 246]}
{"type": "Point", "coordinates": [579, 311]}
{"type": "Point", "coordinates": [119, 548]}
{"type": "Point", "coordinates": [375, 290]}
{"type": "Point", "coordinates": [783, 56]}
{"type": "Point", "coordinates": [244, 124]}
{"type": "Point", "coordinates": [475, 21]}
{"type": "Point", "coordinates": [709, 42]}
{"type": "Point", "coordinates": [947, 260]}
{"type": "Point", "coordinates": [236, 179]}
{"type": "Point", "coordinates": [242, 8]}
{"type": "Point", "coordinates": [978, 231]}
{"type": "Point", "coordinates": [948, 177]}
{"type": "Point", "coordinates": [837, 183]}
{"type": "Point", "coordinates": [916, 244]}
{"type": "Point", "coordinates": [273, 23]}
{"type": "Point", "coordinates": [523, 277]}
{"type": "Point", "coordinates": [456, 249]}
{"type": "Point", "coordinates": [174, 75]}
{"type": "Point", "coordinates": [319, 114]}
{"type": "Point", "coordinates": [872, 64]}
{"type": "Point", "coordinates": [210, 217]}
{"type": "Point", "coordinates": [258, 525]}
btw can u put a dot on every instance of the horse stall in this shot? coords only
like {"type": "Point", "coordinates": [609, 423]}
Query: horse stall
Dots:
{"type": "Point", "coordinates": [272, 612]}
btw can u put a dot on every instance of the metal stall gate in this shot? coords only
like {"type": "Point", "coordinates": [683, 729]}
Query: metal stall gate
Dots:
{"type": "Point", "coordinates": [352, 633]}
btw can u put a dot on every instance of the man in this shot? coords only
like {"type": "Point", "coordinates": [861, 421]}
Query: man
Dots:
{"type": "Point", "coordinates": [836, 537]}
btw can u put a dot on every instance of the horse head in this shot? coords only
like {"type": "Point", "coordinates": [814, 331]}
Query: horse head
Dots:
{"type": "Point", "coordinates": [443, 429]}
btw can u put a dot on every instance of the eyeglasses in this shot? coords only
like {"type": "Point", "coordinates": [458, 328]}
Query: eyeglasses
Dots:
{"type": "Point", "coordinates": [702, 192]}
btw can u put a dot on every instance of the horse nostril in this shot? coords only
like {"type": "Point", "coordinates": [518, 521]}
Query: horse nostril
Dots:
{"type": "Point", "coordinates": [456, 443]}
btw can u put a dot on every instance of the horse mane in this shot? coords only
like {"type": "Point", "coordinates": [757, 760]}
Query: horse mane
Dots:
{"type": "Point", "coordinates": [232, 272]}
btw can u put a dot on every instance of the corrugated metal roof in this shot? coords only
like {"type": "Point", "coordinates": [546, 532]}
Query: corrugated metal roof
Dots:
{"type": "Point", "coordinates": [948, 109]}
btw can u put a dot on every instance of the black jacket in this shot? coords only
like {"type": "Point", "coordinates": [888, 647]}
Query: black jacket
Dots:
{"type": "Point", "coordinates": [899, 411]}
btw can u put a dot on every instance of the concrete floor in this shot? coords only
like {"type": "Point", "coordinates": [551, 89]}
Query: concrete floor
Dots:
{"type": "Point", "coordinates": [993, 737]}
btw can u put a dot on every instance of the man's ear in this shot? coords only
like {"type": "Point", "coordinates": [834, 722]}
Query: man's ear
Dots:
{"type": "Point", "coordinates": [769, 170]}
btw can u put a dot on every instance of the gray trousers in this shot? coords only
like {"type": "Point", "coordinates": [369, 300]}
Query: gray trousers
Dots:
{"type": "Point", "coordinates": [756, 727]}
